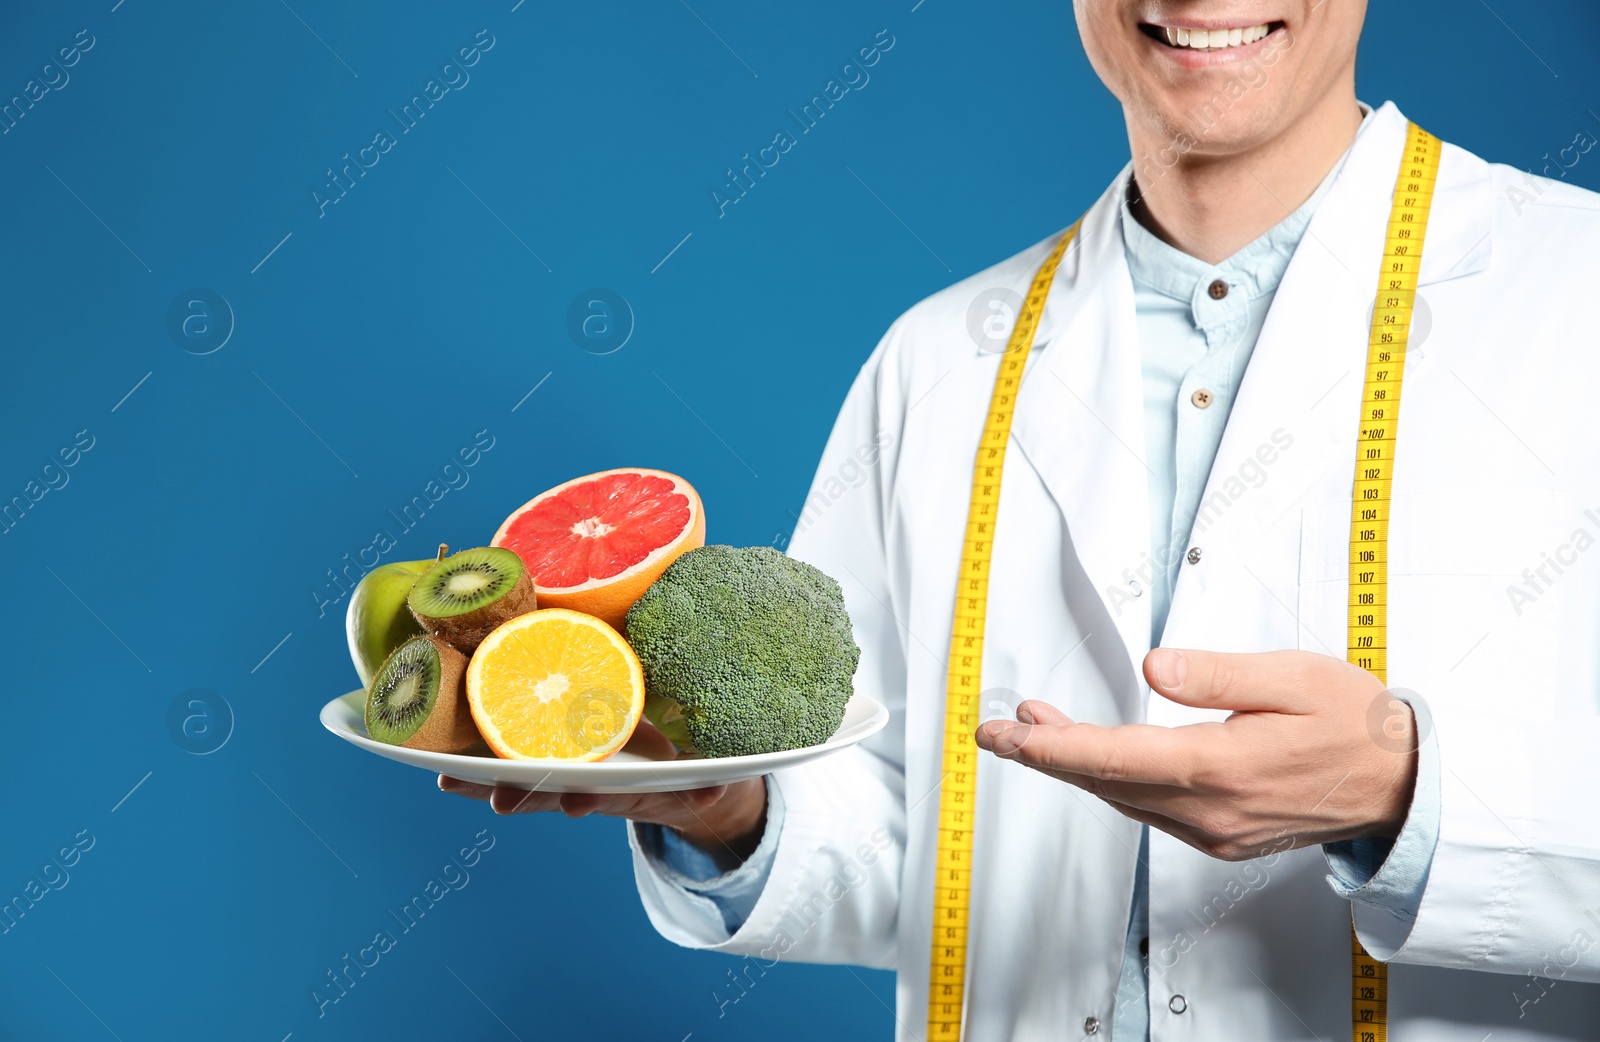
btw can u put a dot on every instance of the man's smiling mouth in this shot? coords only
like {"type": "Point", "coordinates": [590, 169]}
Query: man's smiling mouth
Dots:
{"type": "Point", "coordinates": [1186, 38]}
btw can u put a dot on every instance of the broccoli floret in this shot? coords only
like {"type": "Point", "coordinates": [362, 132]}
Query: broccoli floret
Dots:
{"type": "Point", "coordinates": [744, 651]}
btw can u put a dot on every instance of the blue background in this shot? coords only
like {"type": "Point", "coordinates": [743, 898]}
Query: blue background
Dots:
{"type": "Point", "coordinates": [366, 346]}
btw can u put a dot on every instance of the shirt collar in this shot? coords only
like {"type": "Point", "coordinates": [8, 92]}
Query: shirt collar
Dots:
{"type": "Point", "coordinates": [1255, 270]}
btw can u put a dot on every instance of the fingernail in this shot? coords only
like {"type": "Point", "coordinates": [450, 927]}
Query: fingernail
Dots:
{"type": "Point", "coordinates": [445, 784]}
{"type": "Point", "coordinates": [1169, 667]}
{"type": "Point", "coordinates": [1025, 716]}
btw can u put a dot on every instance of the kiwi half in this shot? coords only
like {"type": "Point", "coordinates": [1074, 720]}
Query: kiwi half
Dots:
{"type": "Point", "coordinates": [466, 595]}
{"type": "Point", "coordinates": [418, 699]}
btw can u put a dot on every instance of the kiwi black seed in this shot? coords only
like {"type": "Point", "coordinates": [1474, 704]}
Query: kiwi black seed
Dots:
{"type": "Point", "coordinates": [418, 699]}
{"type": "Point", "coordinates": [467, 594]}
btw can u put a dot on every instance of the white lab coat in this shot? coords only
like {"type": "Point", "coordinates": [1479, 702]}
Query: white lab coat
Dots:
{"type": "Point", "coordinates": [1498, 462]}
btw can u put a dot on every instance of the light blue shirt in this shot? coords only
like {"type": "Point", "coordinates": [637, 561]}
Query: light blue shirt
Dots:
{"type": "Point", "coordinates": [1195, 343]}
{"type": "Point", "coordinates": [1198, 325]}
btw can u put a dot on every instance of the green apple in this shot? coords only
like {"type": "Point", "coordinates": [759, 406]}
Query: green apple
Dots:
{"type": "Point", "coordinates": [378, 620]}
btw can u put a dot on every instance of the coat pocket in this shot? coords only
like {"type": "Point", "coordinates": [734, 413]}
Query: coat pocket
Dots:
{"type": "Point", "coordinates": [1461, 611]}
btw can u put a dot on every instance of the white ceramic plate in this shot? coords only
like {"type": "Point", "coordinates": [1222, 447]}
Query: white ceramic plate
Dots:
{"type": "Point", "coordinates": [626, 771]}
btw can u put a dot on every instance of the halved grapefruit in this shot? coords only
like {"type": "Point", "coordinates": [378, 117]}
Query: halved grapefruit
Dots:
{"type": "Point", "coordinates": [595, 544]}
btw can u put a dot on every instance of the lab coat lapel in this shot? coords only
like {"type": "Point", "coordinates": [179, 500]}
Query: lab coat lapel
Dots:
{"type": "Point", "coordinates": [1304, 380]}
{"type": "Point", "coordinates": [1080, 419]}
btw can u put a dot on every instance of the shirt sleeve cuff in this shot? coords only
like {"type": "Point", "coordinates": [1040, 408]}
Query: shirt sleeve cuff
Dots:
{"type": "Point", "coordinates": [687, 867]}
{"type": "Point", "coordinates": [1392, 874]}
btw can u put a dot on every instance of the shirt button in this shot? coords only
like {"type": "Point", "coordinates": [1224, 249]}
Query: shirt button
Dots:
{"type": "Point", "coordinates": [1091, 1025]}
{"type": "Point", "coordinates": [1218, 290]}
{"type": "Point", "coordinates": [1202, 398]}
{"type": "Point", "coordinates": [1193, 555]}
{"type": "Point", "coordinates": [1177, 1004]}
{"type": "Point", "coordinates": [1134, 587]}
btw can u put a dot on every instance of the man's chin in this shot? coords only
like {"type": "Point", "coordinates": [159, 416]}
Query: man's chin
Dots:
{"type": "Point", "coordinates": [1198, 130]}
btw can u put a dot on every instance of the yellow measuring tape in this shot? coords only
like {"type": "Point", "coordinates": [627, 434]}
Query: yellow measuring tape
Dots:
{"type": "Point", "coordinates": [953, 880]}
{"type": "Point", "coordinates": [1368, 645]}
{"type": "Point", "coordinates": [1369, 531]}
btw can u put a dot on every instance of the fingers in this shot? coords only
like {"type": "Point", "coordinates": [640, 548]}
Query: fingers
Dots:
{"type": "Point", "coordinates": [583, 804]}
{"type": "Point", "coordinates": [1232, 847]}
{"type": "Point", "coordinates": [1170, 826]}
{"type": "Point", "coordinates": [668, 808]}
{"type": "Point", "coordinates": [502, 799]}
{"type": "Point", "coordinates": [507, 800]}
{"type": "Point", "coordinates": [471, 790]}
{"type": "Point", "coordinates": [649, 743]}
{"type": "Point", "coordinates": [1036, 712]}
{"type": "Point", "coordinates": [1138, 753]}
{"type": "Point", "coordinates": [1273, 681]}
{"type": "Point", "coordinates": [1011, 736]}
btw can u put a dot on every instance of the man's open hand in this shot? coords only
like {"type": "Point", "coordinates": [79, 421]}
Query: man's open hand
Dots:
{"type": "Point", "coordinates": [1298, 762]}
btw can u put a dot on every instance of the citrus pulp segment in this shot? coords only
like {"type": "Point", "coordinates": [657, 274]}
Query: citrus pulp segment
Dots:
{"type": "Point", "coordinates": [555, 684]}
{"type": "Point", "coordinates": [595, 544]}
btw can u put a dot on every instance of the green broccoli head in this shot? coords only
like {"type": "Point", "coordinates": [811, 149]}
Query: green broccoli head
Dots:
{"type": "Point", "coordinates": [744, 651]}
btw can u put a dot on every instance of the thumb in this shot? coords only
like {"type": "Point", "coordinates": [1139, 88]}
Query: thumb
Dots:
{"type": "Point", "coordinates": [1272, 681]}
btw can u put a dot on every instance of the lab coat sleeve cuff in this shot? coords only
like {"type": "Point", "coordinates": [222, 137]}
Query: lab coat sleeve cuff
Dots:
{"type": "Point", "coordinates": [1392, 874]}
{"type": "Point", "coordinates": [709, 903]}
{"type": "Point", "coordinates": [1386, 875]}
{"type": "Point", "coordinates": [685, 867]}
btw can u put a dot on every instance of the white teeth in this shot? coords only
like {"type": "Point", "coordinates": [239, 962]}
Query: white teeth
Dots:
{"type": "Point", "coordinates": [1214, 39]}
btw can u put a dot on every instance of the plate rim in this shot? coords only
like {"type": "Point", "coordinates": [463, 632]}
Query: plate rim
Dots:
{"type": "Point", "coordinates": [605, 772]}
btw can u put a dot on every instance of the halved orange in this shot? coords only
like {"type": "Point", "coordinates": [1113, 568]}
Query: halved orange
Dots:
{"type": "Point", "coordinates": [555, 684]}
{"type": "Point", "coordinates": [595, 544]}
